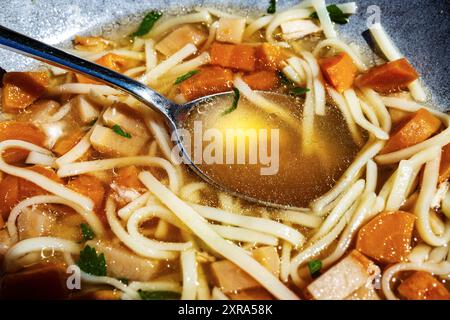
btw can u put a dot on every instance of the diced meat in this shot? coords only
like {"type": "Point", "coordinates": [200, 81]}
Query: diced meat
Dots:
{"type": "Point", "coordinates": [108, 142]}
{"type": "Point", "coordinates": [122, 263]}
{"type": "Point", "coordinates": [230, 30]}
{"type": "Point", "coordinates": [364, 293]}
{"type": "Point", "coordinates": [296, 29]}
{"type": "Point", "coordinates": [35, 222]}
{"type": "Point", "coordinates": [179, 38]}
{"type": "Point", "coordinates": [418, 127]}
{"type": "Point", "coordinates": [262, 80]}
{"type": "Point", "coordinates": [387, 237]}
{"type": "Point", "coordinates": [130, 122]}
{"type": "Point", "coordinates": [339, 71]}
{"type": "Point", "coordinates": [268, 257]}
{"type": "Point", "coordinates": [423, 286]}
{"type": "Point", "coordinates": [230, 278]}
{"type": "Point", "coordinates": [338, 282]}
{"type": "Point", "coordinates": [234, 56]}
{"type": "Point", "coordinates": [21, 89]}
{"type": "Point", "coordinates": [86, 110]}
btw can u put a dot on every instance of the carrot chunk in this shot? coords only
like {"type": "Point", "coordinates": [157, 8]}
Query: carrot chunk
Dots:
{"type": "Point", "coordinates": [339, 71]}
{"type": "Point", "coordinates": [387, 237]}
{"type": "Point", "coordinates": [20, 89]}
{"type": "Point", "coordinates": [423, 286]}
{"type": "Point", "coordinates": [90, 187]}
{"type": "Point", "coordinates": [388, 77]}
{"type": "Point", "coordinates": [15, 130]}
{"type": "Point", "coordinates": [269, 56]}
{"type": "Point", "coordinates": [417, 128]}
{"type": "Point", "coordinates": [128, 178]}
{"type": "Point", "coordinates": [208, 81]}
{"type": "Point", "coordinates": [29, 189]}
{"type": "Point", "coordinates": [262, 80]}
{"type": "Point", "coordinates": [111, 61]}
{"type": "Point", "coordinates": [234, 56]}
{"type": "Point", "coordinates": [68, 142]}
{"type": "Point", "coordinates": [444, 169]}
{"type": "Point", "coordinates": [9, 194]}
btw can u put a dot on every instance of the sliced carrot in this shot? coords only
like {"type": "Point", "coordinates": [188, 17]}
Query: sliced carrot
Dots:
{"type": "Point", "coordinates": [422, 285]}
{"type": "Point", "coordinates": [90, 187]}
{"type": "Point", "coordinates": [388, 77]}
{"type": "Point", "coordinates": [68, 142]}
{"type": "Point", "coordinates": [128, 178]}
{"type": "Point", "coordinates": [20, 89]}
{"type": "Point", "coordinates": [417, 128]}
{"type": "Point", "coordinates": [15, 130]}
{"type": "Point", "coordinates": [111, 61]}
{"type": "Point", "coordinates": [262, 80]}
{"type": "Point", "coordinates": [339, 71]}
{"type": "Point", "coordinates": [9, 194]}
{"type": "Point", "coordinates": [208, 81]}
{"type": "Point", "coordinates": [444, 169]}
{"type": "Point", "coordinates": [269, 56]}
{"type": "Point", "coordinates": [29, 189]}
{"type": "Point", "coordinates": [387, 237]}
{"type": "Point", "coordinates": [234, 56]}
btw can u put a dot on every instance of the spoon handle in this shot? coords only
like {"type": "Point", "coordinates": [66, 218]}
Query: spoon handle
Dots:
{"type": "Point", "coordinates": [22, 44]}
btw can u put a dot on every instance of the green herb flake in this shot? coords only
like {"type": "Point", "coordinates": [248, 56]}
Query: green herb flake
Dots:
{"type": "Point", "coordinates": [86, 232]}
{"type": "Point", "coordinates": [92, 122]}
{"type": "Point", "coordinates": [335, 13]}
{"type": "Point", "coordinates": [298, 91]}
{"type": "Point", "coordinates": [147, 23]}
{"type": "Point", "coordinates": [125, 281]}
{"type": "Point", "coordinates": [314, 267]}
{"type": "Point", "coordinates": [234, 105]}
{"type": "Point", "coordinates": [272, 7]}
{"type": "Point", "coordinates": [159, 295]}
{"type": "Point", "coordinates": [118, 129]}
{"type": "Point", "coordinates": [186, 76]}
{"type": "Point", "coordinates": [92, 263]}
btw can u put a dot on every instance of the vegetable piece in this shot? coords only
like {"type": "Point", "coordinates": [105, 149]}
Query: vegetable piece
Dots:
{"type": "Point", "coordinates": [35, 222]}
{"type": "Point", "coordinates": [208, 81]}
{"type": "Point", "coordinates": [296, 29]}
{"type": "Point", "coordinates": [185, 76]}
{"type": "Point", "coordinates": [231, 30]}
{"type": "Point", "coordinates": [86, 232]}
{"type": "Point", "coordinates": [335, 13]}
{"type": "Point", "coordinates": [272, 7]}
{"type": "Point", "coordinates": [25, 131]}
{"type": "Point", "coordinates": [111, 61]}
{"type": "Point", "coordinates": [262, 80]}
{"type": "Point", "coordinates": [21, 89]}
{"type": "Point", "coordinates": [444, 169]}
{"type": "Point", "coordinates": [108, 142]}
{"type": "Point", "coordinates": [42, 281]}
{"type": "Point", "coordinates": [147, 23]}
{"type": "Point", "coordinates": [92, 263]}
{"type": "Point", "coordinates": [298, 91]}
{"type": "Point", "coordinates": [314, 267]}
{"type": "Point", "coordinates": [268, 257]}
{"type": "Point", "coordinates": [66, 143]}
{"type": "Point", "coordinates": [127, 178]}
{"type": "Point", "coordinates": [339, 71]}
{"type": "Point", "coordinates": [234, 56]}
{"type": "Point", "coordinates": [389, 77]}
{"type": "Point", "coordinates": [9, 194]}
{"type": "Point", "coordinates": [90, 187]}
{"type": "Point", "coordinates": [29, 189]}
{"type": "Point", "coordinates": [118, 129]}
{"type": "Point", "coordinates": [387, 237]}
{"type": "Point", "coordinates": [237, 96]}
{"type": "Point", "coordinates": [342, 279]}
{"type": "Point", "coordinates": [123, 263]}
{"type": "Point", "coordinates": [422, 285]}
{"type": "Point", "coordinates": [159, 295]}
{"type": "Point", "coordinates": [230, 278]}
{"type": "Point", "coordinates": [418, 127]}
{"type": "Point", "coordinates": [179, 38]}
{"type": "Point", "coordinates": [269, 56]}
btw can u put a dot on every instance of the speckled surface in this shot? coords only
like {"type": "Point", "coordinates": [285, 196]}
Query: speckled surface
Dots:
{"type": "Point", "coordinates": [420, 28]}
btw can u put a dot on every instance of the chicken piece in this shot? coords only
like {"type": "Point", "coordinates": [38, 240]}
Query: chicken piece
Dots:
{"type": "Point", "coordinates": [122, 263]}
{"type": "Point", "coordinates": [130, 122]}
{"type": "Point", "coordinates": [231, 30]}
{"type": "Point", "coordinates": [268, 257]}
{"type": "Point", "coordinates": [297, 29]}
{"type": "Point", "coordinates": [364, 293]}
{"type": "Point", "coordinates": [86, 110]}
{"type": "Point", "coordinates": [423, 286]}
{"type": "Point", "coordinates": [108, 142]}
{"type": "Point", "coordinates": [345, 277]}
{"type": "Point", "coordinates": [230, 278]}
{"type": "Point", "coordinates": [35, 222]}
{"type": "Point", "coordinates": [180, 37]}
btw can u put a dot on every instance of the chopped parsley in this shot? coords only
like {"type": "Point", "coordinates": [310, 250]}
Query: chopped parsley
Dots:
{"type": "Point", "coordinates": [147, 23]}
{"type": "Point", "coordinates": [125, 281]}
{"type": "Point", "coordinates": [92, 263]}
{"type": "Point", "coordinates": [291, 86]}
{"type": "Point", "coordinates": [272, 6]}
{"type": "Point", "coordinates": [86, 232]}
{"type": "Point", "coordinates": [298, 91]}
{"type": "Point", "coordinates": [159, 295]}
{"type": "Point", "coordinates": [118, 129]}
{"type": "Point", "coordinates": [314, 267]}
{"type": "Point", "coordinates": [335, 13]}
{"type": "Point", "coordinates": [186, 76]}
{"type": "Point", "coordinates": [234, 105]}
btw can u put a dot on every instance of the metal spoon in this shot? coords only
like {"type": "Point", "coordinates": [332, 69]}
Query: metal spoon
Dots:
{"type": "Point", "coordinates": [174, 114]}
